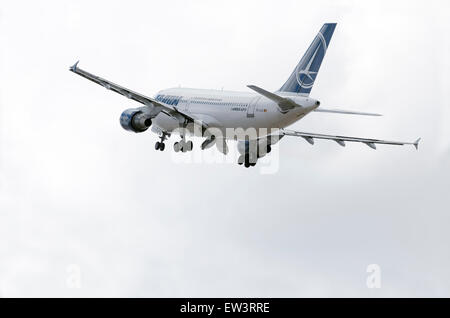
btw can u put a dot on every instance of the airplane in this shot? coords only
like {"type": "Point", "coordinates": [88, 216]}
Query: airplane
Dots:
{"type": "Point", "coordinates": [212, 114]}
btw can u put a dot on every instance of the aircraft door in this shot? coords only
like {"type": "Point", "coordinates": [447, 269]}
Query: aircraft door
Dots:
{"type": "Point", "coordinates": [186, 105]}
{"type": "Point", "coordinates": [252, 106]}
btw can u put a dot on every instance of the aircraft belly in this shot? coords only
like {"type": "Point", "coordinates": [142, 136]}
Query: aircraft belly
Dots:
{"type": "Point", "coordinates": [223, 120]}
{"type": "Point", "coordinates": [165, 122]}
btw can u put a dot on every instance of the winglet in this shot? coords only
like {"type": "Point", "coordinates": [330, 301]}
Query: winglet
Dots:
{"type": "Point", "coordinates": [73, 68]}
{"type": "Point", "coordinates": [416, 143]}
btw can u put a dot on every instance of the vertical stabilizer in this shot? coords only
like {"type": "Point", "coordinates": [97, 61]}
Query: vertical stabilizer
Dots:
{"type": "Point", "coordinates": [304, 75]}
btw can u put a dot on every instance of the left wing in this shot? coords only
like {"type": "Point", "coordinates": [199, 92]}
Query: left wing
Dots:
{"type": "Point", "coordinates": [309, 137]}
{"type": "Point", "coordinates": [170, 110]}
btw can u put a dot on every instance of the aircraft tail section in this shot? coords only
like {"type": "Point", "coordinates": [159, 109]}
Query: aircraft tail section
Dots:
{"type": "Point", "coordinates": [304, 75]}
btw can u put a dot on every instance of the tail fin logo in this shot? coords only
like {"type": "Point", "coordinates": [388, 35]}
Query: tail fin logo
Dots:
{"type": "Point", "coordinates": [305, 76]}
{"type": "Point", "coordinates": [305, 72]}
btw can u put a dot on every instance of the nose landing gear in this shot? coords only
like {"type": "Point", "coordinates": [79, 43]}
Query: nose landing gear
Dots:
{"type": "Point", "coordinates": [159, 145]}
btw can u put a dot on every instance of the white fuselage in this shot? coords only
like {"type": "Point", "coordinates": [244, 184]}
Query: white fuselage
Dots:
{"type": "Point", "coordinates": [228, 109]}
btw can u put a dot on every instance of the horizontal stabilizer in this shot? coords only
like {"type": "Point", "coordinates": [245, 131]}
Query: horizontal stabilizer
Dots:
{"type": "Point", "coordinates": [285, 104]}
{"type": "Point", "coordinates": [346, 112]}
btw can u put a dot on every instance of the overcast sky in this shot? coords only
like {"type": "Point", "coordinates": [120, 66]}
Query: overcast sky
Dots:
{"type": "Point", "coordinates": [88, 209]}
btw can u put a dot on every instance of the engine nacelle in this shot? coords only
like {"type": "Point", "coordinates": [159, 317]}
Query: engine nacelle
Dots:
{"type": "Point", "coordinates": [135, 120]}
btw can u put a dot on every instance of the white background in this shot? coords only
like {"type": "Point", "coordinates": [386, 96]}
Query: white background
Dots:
{"type": "Point", "coordinates": [77, 191]}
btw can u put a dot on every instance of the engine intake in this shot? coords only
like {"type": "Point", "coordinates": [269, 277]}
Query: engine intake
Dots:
{"type": "Point", "coordinates": [135, 120]}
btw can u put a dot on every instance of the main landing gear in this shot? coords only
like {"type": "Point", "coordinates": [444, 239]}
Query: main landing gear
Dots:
{"type": "Point", "coordinates": [183, 145]}
{"type": "Point", "coordinates": [160, 144]}
{"type": "Point", "coordinates": [248, 160]}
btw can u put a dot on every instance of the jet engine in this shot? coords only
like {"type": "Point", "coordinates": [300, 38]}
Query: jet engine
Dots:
{"type": "Point", "coordinates": [134, 119]}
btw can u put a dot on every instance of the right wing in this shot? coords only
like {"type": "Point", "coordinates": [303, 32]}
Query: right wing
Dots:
{"type": "Point", "coordinates": [309, 137]}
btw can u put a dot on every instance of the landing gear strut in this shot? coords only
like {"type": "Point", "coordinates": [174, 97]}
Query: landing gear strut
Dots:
{"type": "Point", "coordinates": [160, 144]}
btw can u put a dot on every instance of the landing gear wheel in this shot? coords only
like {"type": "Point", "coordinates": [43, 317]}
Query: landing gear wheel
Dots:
{"type": "Point", "coordinates": [252, 158]}
{"type": "Point", "coordinates": [157, 145]}
{"type": "Point", "coordinates": [184, 148]}
{"type": "Point", "coordinates": [241, 160]}
{"type": "Point", "coordinates": [177, 147]}
{"type": "Point", "coordinates": [162, 146]}
{"type": "Point", "coordinates": [189, 145]}
{"type": "Point", "coordinates": [269, 148]}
